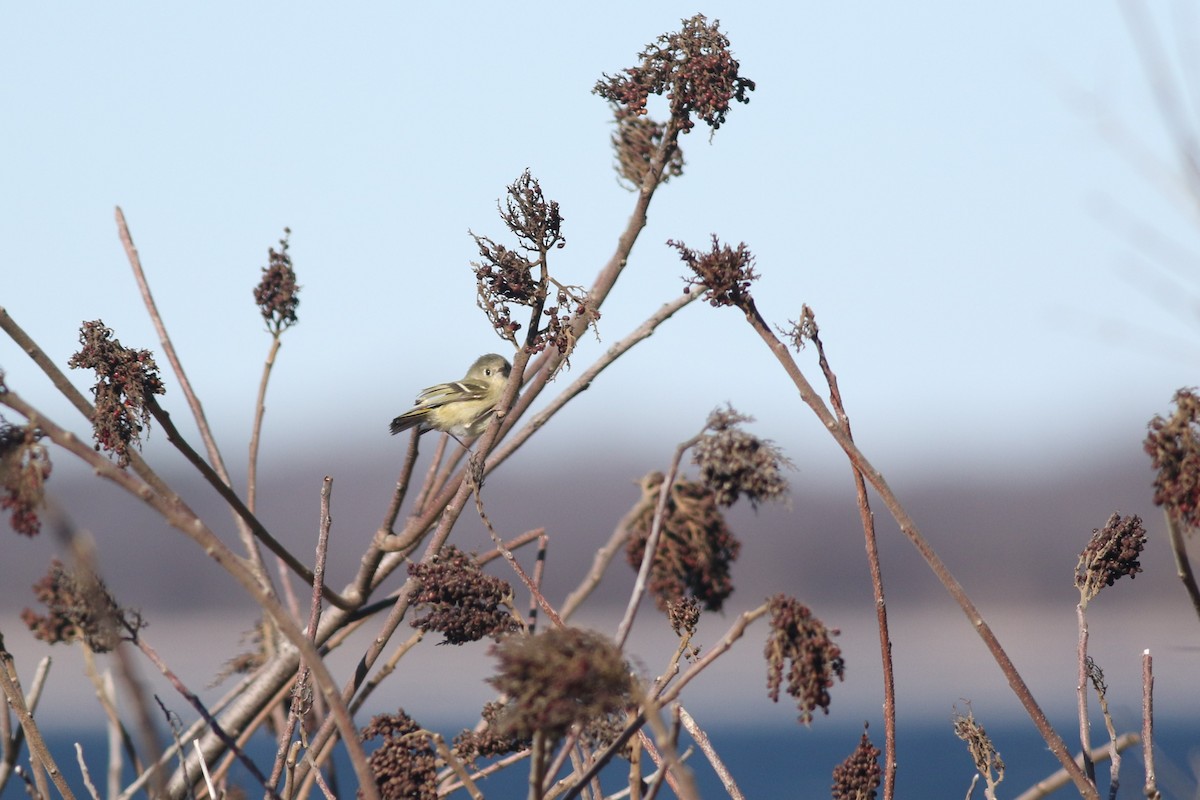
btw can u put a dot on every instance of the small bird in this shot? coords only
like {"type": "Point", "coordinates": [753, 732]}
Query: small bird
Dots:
{"type": "Point", "coordinates": [462, 408]}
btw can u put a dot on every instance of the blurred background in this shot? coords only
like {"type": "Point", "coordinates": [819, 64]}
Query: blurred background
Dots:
{"type": "Point", "coordinates": [985, 207]}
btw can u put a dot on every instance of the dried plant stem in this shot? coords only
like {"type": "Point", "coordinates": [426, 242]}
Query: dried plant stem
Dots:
{"type": "Point", "coordinates": [83, 770]}
{"type": "Point", "coordinates": [1081, 686]}
{"type": "Point", "coordinates": [580, 384]}
{"type": "Point", "coordinates": [867, 518]}
{"type": "Point", "coordinates": [1183, 565]}
{"type": "Point", "coordinates": [1060, 778]}
{"type": "Point", "coordinates": [1150, 789]}
{"type": "Point", "coordinates": [239, 508]}
{"type": "Point", "coordinates": [600, 562]}
{"type": "Point", "coordinates": [701, 738]}
{"type": "Point", "coordinates": [181, 517]}
{"type": "Point", "coordinates": [43, 762]}
{"type": "Point", "coordinates": [260, 410]}
{"type": "Point", "coordinates": [539, 571]}
{"type": "Point", "coordinates": [909, 527]}
{"type": "Point", "coordinates": [538, 598]}
{"type": "Point", "coordinates": [209, 720]}
{"type": "Point", "coordinates": [734, 633]}
{"type": "Point", "coordinates": [643, 575]}
{"type": "Point", "coordinates": [73, 395]}
{"type": "Point", "coordinates": [210, 443]}
{"type": "Point", "coordinates": [12, 740]}
{"type": "Point", "coordinates": [299, 707]}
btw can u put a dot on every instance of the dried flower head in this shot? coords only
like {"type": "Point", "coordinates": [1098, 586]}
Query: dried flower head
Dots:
{"type": "Point", "coordinates": [1174, 448]}
{"type": "Point", "coordinates": [405, 763]}
{"type": "Point", "coordinates": [276, 292]}
{"type": "Point", "coordinates": [1111, 554]}
{"type": "Point", "coordinates": [471, 744]}
{"type": "Point", "coordinates": [557, 679]}
{"type": "Point", "coordinates": [695, 550]}
{"type": "Point", "coordinates": [126, 382]}
{"type": "Point", "coordinates": [692, 67]}
{"type": "Point", "coordinates": [80, 607]}
{"type": "Point", "coordinates": [987, 760]}
{"type": "Point", "coordinates": [506, 278]}
{"type": "Point", "coordinates": [636, 141]}
{"type": "Point", "coordinates": [684, 615]}
{"type": "Point", "coordinates": [799, 637]}
{"type": "Point", "coordinates": [24, 468]}
{"type": "Point", "coordinates": [859, 775]}
{"type": "Point", "coordinates": [462, 602]}
{"type": "Point", "coordinates": [725, 274]}
{"type": "Point", "coordinates": [802, 331]}
{"type": "Point", "coordinates": [735, 463]}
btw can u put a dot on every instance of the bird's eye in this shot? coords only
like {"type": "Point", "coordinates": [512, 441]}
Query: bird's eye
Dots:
{"type": "Point", "coordinates": [488, 372]}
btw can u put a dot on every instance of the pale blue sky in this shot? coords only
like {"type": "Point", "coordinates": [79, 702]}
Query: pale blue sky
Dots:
{"type": "Point", "coordinates": [922, 176]}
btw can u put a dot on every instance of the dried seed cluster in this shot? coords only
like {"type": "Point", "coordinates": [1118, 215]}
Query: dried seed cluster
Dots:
{"type": "Point", "coordinates": [803, 640]}
{"type": "Point", "coordinates": [24, 468]}
{"type": "Point", "coordinates": [405, 763]}
{"type": "Point", "coordinates": [1111, 554]}
{"type": "Point", "coordinates": [725, 274]}
{"type": "Point", "coordinates": [859, 775]}
{"type": "Point", "coordinates": [1174, 448]}
{"type": "Point", "coordinates": [276, 294]}
{"type": "Point", "coordinates": [80, 608]}
{"type": "Point", "coordinates": [734, 463]}
{"type": "Point", "coordinates": [557, 679]}
{"type": "Point", "coordinates": [696, 549]}
{"type": "Point", "coordinates": [461, 602]}
{"type": "Point", "coordinates": [126, 382]}
{"type": "Point", "coordinates": [692, 67]}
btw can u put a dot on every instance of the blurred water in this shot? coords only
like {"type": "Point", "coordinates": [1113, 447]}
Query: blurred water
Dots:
{"type": "Point", "coordinates": [785, 762]}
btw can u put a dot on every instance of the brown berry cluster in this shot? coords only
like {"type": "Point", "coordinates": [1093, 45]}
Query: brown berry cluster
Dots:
{"type": "Point", "coordinates": [470, 744]}
{"type": "Point", "coordinates": [80, 607]}
{"type": "Point", "coordinates": [558, 679]}
{"type": "Point", "coordinates": [276, 294]}
{"type": "Point", "coordinates": [800, 638]}
{"type": "Point", "coordinates": [696, 549]}
{"type": "Point", "coordinates": [1174, 448]}
{"type": "Point", "coordinates": [692, 67]}
{"type": "Point", "coordinates": [24, 468]}
{"type": "Point", "coordinates": [461, 602]}
{"type": "Point", "coordinates": [735, 463]}
{"type": "Point", "coordinates": [723, 273]}
{"type": "Point", "coordinates": [404, 764]}
{"type": "Point", "coordinates": [1111, 554]}
{"type": "Point", "coordinates": [126, 382]}
{"type": "Point", "coordinates": [859, 775]}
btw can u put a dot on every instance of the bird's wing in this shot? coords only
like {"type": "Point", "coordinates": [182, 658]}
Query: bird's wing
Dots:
{"type": "Point", "coordinates": [443, 393]}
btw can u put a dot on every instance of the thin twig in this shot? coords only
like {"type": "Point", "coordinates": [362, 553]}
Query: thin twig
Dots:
{"type": "Point", "coordinates": [83, 770]}
{"type": "Point", "coordinates": [643, 575]}
{"type": "Point", "coordinates": [163, 417]}
{"type": "Point", "coordinates": [1060, 778]}
{"type": "Point", "coordinates": [867, 518]}
{"type": "Point", "coordinates": [1150, 789]}
{"type": "Point", "coordinates": [181, 517]}
{"type": "Point", "coordinates": [1081, 683]}
{"type": "Point", "coordinates": [40, 757]}
{"type": "Point", "coordinates": [210, 443]}
{"type": "Point", "coordinates": [909, 528]}
{"type": "Point", "coordinates": [1183, 565]}
{"type": "Point", "coordinates": [734, 633]}
{"type": "Point", "coordinates": [701, 738]}
{"type": "Point", "coordinates": [539, 570]}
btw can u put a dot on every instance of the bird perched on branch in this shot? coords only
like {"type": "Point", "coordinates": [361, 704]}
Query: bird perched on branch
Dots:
{"type": "Point", "coordinates": [462, 408]}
